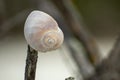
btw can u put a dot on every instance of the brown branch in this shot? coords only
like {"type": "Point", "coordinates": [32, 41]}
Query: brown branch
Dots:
{"type": "Point", "coordinates": [74, 22]}
{"type": "Point", "coordinates": [12, 22]}
{"type": "Point", "coordinates": [31, 63]}
{"type": "Point", "coordinates": [109, 69]}
{"type": "Point", "coordinates": [84, 65]}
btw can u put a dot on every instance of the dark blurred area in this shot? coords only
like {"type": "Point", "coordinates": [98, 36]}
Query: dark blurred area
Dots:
{"type": "Point", "coordinates": [82, 20]}
{"type": "Point", "coordinates": [101, 17]}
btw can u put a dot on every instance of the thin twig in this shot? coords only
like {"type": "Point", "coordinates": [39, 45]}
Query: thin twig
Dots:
{"type": "Point", "coordinates": [84, 65]}
{"type": "Point", "coordinates": [31, 63]}
{"type": "Point", "coordinates": [75, 24]}
{"type": "Point", "coordinates": [109, 69]}
{"type": "Point", "coordinates": [70, 78]}
{"type": "Point", "coordinates": [10, 23]}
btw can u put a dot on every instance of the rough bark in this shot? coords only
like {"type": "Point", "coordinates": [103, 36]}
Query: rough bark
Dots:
{"type": "Point", "coordinates": [31, 63]}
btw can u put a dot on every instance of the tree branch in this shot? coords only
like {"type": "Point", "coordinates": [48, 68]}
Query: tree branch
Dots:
{"type": "Point", "coordinates": [76, 26]}
{"type": "Point", "coordinates": [31, 63]}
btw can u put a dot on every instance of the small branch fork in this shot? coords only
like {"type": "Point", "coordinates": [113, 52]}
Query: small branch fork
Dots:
{"type": "Point", "coordinates": [31, 62]}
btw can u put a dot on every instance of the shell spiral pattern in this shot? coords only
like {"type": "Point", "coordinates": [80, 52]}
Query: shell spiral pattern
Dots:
{"type": "Point", "coordinates": [42, 32]}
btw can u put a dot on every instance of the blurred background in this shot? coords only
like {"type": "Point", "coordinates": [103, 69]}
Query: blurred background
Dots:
{"type": "Point", "coordinates": [91, 28]}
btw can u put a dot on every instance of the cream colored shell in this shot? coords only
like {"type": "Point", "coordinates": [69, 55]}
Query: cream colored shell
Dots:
{"type": "Point", "coordinates": [42, 32]}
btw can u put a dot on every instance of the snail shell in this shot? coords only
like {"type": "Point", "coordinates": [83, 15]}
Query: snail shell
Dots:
{"type": "Point", "coordinates": [42, 32]}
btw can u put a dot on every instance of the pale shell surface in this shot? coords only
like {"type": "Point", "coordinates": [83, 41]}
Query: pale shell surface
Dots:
{"type": "Point", "coordinates": [42, 32]}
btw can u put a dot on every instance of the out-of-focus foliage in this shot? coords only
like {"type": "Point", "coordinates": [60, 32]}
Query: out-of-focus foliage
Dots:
{"type": "Point", "coordinates": [103, 15]}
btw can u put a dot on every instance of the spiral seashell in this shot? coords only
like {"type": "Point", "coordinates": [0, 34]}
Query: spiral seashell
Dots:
{"type": "Point", "coordinates": [42, 32]}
